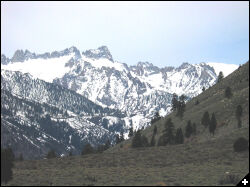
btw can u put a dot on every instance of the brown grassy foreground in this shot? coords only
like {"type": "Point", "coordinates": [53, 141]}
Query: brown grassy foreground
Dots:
{"type": "Point", "coordinates": [187, 164]}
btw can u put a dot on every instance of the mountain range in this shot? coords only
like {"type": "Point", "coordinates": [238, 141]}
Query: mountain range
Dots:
{"type": "Point", "coordinates": [88, 96]}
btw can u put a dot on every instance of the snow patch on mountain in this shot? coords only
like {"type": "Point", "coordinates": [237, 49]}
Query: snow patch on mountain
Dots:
{"type": "Point", "coordinates": [45, 69]}
{"type": "Point", "coordinates": [226, 69]}
{"type": "Point", "coordinates": [103, 62]}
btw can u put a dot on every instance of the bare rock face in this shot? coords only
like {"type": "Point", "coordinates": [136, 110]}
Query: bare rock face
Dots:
{"type": "Point", "coordinates": [18, 56]}
{"type": "Point", "coordinates": [101, 52]}
{"type": "Point", "coordinates": [4, 60]}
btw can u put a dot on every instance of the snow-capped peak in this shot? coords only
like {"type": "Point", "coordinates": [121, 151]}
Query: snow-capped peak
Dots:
{"type": "Point", "coordinates": [144, 64]}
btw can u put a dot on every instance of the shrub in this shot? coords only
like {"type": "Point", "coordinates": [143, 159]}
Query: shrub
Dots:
{"type": "Point", "coordinates": [179, 138]}
{"type": "Point", "coordinates": [168, 136]}
{"type": "Point", "coordinates": [229, 179]}
{"type": "Point", "coordinates": [241, 144]}
{"type": "Point", "coordinates": [119, 138]}
{"type": "Point", "coordinates": [70, 153]}
{"type": "Point", "coordinates": [212, 124]}
{"type": "Point", "coordinates": [228, 92]}
{"type": "Point", "coordinates": [131, 132]}
{"type": "Point", "coordinates": [6, 165]}
{"type": "Point", "coordinates": [238, 111]}
{"type": "Point", "coordinates": [51, 154]}
{"type": "Point", "coordinates": [20, 157]}
{"type": "Point", "coordinates": [238, 114]}
{"type": "Point", "coordinates": [152, 142]}
{"type": "Point", "coordinates": [188, 129]}
{"type": "Point", "coordinates": [139, 140]}
{"type": "Point", "coordinates": [144, 141]}
{"type": "Point", "coordinates": [88, 149]}
{"type": "Point", "coordinates": [194, 128]}
{"type": "Point", "coordinates": [205, 119]}
{"type": "Point", "coordinates": [100, 148]}
{"type": "Point", "coordinates": [162, 141]}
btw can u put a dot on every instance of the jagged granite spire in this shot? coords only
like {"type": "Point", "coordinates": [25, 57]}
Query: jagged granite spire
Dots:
{"type": "Point", "coordinates": [4, 60]}
{"type": "Point", "coordinates": [101, 52]}
{"type": "Point", "coordinates": [18, 56]}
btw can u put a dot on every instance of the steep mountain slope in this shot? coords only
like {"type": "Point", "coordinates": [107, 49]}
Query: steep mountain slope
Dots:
{"type": "Point", "coordinates": [28, 129]}
{"type": "Point", "coordinates": [214, 101]}
{"type": "Point", "coordinates": [37, 116]}
{"type": "Point", "coordinates": [26, 86]}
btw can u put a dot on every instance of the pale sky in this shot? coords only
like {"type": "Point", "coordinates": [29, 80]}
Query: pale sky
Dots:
{"type": "Point", "coordinates": [162, 33]}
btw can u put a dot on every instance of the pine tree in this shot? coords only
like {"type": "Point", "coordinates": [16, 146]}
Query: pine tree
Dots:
{"type": "Point", "coordinates": [205, 119]}
{"type": "Point", "coordinates": [183, 98]}
{"type": "Point", "coordinates": [122, 137]}
{"type": "Point", "coordinates": [174, 102]}
{"type": "Point", "coordinates": [131, 133]}
{"type": "Point", "coordinates": [194, 128]}
{"type": "Point", "coordinates": [6, 165]}
{"type": "Point", "coordinates": [168, 133]}
{"type": "Point", "coordinates": [139, 140]}
{"type": "Point", "coordinates": [136, 141]}
{"type": "Point", "coordinates": [88, 149]}
{"type": "Point", "coordinates": [162, 141]}
{"type": "Point", "coordinates": [189, 129]}
{"type": "Point", "coordinates": [144, 141]}
{"type": "Point", "coordinates": [178, 104]}
{"type": "Point", "coordinates": [181, 106]}
{"type": "Point", "coordinates": [107, 144]}
{"type": "Point", "coordinates": [117, 139]}
{"type": "Point", "coordinates": [51, 154]}
{"type": "Point", "coordinates": [239, 111]}
{"type": "Point", "coordinates": [100, 148]}
{"type": "Point", "coordinates": [157, 115]}
{"type": "Point", "coordinates": [228, 92]}
{"type": "Point", "coordinates": [70, 153]}
{"type": "Point", "coordinates": [155, 130]}
{"type": "Point", "coordinates": [20, 157]}
{"type": "Point", "coordinates": [212, 124]}
{"type": "Point", "coordinates": [238, 114]}
{"type": "Point", "coordinates": [179, 138]}
{"type": "Point", "coordinates": [220, 76]}
{"type": "Point", "coordinates": [10, 153]}
{"type": "Point", "coordinates": [156, 118]}
{"type": "Point", "coordinates": [152, 142]}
